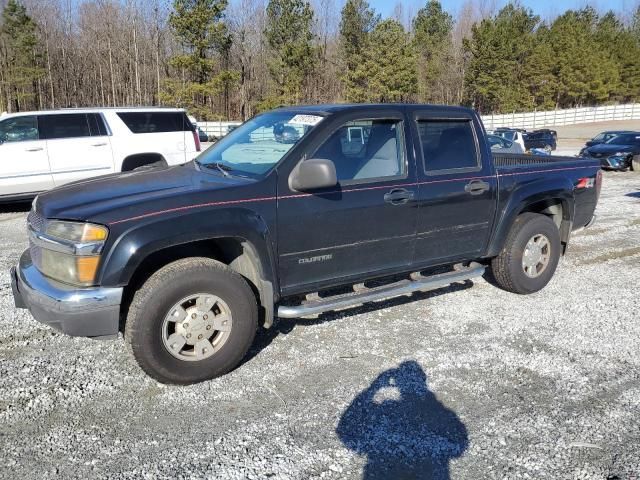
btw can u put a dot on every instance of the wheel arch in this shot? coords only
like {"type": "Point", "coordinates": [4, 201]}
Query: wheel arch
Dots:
{"type": "Point", "coordinates": [137, 160]}
{"type": "Point", "coordinates": [550, 198]}
{"type": "Point", "coordinates": [243, 244]}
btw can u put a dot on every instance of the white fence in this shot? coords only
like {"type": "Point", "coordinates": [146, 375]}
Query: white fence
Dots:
{"type": "Point", "coordinates": [558, 118]}
{"type": "Point", "coordinates": [217, 129]}
{"type": "Point", "coordinates": [551, 118]}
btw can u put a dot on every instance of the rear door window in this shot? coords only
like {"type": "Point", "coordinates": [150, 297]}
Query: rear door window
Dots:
{"type": "Point", "coordinates": [19, 129]}
{"type": "Point", "coordinates": [448, 145]}
{"type": "Point", "coordinates": [67, 125]}
{"type": "Point", "coordinates": [156, 122]}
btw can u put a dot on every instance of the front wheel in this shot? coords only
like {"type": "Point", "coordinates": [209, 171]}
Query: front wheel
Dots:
{"type": "Point", "coordinates": [530, 255]}
{"type": "Point", "coordinates": [635, 163]}
{"type": "Point", "coordinates": [193, 320]}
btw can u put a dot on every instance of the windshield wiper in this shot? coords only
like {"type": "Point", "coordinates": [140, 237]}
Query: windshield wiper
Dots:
{"type": "Point", "coordinates": [223, 168]}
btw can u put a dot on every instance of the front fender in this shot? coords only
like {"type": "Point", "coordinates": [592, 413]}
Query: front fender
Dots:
{"type": "Point", "coordinates": [523, 194]}
{"type": "Point", "coordinates": [138, 241]}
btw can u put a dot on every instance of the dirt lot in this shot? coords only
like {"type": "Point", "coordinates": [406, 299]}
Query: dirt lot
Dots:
{"type": "Point", "coordinates": [466, 382]}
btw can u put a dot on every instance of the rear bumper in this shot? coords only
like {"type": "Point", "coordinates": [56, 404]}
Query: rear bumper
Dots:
{"type": "Point", "coordinates": [80, 312]}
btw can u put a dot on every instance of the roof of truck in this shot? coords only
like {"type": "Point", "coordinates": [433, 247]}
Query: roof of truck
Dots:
{"type": "Point", "coordinates": [340, 107]}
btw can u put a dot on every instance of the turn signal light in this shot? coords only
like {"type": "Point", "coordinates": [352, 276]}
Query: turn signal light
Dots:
{"type": "Point", "coordinates": [86, 268]}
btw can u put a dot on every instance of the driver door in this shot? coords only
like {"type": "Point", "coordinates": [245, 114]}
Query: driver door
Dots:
{"type": "Point", "coordinates": [363, 226]}
{"type": "Point", "coordinates": [24, 163]}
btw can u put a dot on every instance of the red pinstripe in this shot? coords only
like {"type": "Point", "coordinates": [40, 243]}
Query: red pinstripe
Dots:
{"type": "Point", "coordinates": [350, 190]}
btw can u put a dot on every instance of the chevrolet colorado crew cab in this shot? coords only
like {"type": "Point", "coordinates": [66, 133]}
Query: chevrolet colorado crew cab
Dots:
{"type": "Point", "coordinates": [42, 150]}
{"type": "Point", "coordinates": [299, 211]}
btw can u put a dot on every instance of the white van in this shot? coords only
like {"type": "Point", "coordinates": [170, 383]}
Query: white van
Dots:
{"type": "Point", "coordinates": [41, 150]}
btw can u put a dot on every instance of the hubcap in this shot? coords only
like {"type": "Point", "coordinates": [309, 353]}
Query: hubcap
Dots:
{"type": "Point", "coordinates": [196, 327]}
{"type": "Point", "coordinates": [536, 256]}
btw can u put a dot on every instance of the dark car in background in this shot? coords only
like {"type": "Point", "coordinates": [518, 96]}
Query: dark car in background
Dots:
{"type": "Point", "coordinates": [542, 139]}
{"type": "Point", "coordinates": [202, 135]}
{"type": "Point", "coordinates": [604, 137]}
{"type": "Point", "coordinates": [510, 129]}
{"type": "Point", "coordinates": [549, 132]}
{"type": "Point", "coordinates": [618, 153]}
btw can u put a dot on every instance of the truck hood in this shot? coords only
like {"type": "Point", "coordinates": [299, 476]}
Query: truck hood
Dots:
{"type": "Point", "coordinates": [85, 199]}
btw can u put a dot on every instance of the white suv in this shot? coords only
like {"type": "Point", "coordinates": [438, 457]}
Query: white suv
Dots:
{"type": "Point", "coordinates": [41, 150]}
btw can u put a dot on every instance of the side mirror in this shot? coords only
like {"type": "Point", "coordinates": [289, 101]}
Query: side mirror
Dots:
{"type": "Point", "coordinates": [313, 174]}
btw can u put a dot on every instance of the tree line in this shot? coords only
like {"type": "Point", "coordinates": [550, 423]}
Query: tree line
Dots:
{"type": "Point", "coordinates": [230, 60]}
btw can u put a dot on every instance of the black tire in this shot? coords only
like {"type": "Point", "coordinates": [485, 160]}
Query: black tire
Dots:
{"type": "Point", "coordinates": [170, 284]}
{"type": "Point", "coordinates": [507, 268]}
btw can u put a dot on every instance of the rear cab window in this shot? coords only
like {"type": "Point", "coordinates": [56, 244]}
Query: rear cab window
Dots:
{"type": "Point", "coordinates": [156, 122]}
{"type": "Point", "coordinates": [448, 146]}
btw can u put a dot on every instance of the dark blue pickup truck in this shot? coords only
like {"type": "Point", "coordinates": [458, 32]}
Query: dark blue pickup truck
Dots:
{"type": "Point", "coordinates": [299, 211]}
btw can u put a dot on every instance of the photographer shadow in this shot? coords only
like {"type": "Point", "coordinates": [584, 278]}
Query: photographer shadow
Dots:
{"type": "Point", "coordinates": [402, 428]}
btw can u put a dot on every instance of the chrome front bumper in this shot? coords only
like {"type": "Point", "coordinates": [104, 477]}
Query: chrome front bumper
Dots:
{"type": "Point", "coordinates": [80, 312]}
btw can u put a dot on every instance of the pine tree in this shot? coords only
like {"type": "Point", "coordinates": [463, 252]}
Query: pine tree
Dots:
{"type": "Point", "coordinates": [357, 21]}
{"type": "Point", "coordinates": [289, 36]}
{"type": "Point", "coordinates": [432, 36]}
{"type": "Point", "coordinates": [586, 74]}
{"type": "Point", "coordinates": [623, 48]}
{"type": "Point", "coordinates": [498, 48]}
{"type": "Point", "coordinates": [201, 31]}
{"type": "Point", "coordinates": [390, 64]}
{"type": "Point", "coordinates": [19, 58]}
{"type": "Point", "coordinates": [538, 72]}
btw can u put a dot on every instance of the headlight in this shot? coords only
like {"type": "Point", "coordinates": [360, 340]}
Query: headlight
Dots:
{"type": "Point", "coordinates": [71, 251]}
{"type": "Point", "coordinates": [77, 232]}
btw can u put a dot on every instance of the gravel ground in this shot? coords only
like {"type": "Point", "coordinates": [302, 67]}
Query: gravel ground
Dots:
{"type": "Point", "coordinates": [466, 382]}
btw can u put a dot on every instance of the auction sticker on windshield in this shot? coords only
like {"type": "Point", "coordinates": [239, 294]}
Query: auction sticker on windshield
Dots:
{"type": "Point", "coordinates": [306, 120]}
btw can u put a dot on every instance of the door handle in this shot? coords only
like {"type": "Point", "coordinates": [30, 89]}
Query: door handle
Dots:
{"type": "Point", "coordinates": [476, 187]}
{"type": "Point", "coordinates": [99, 144]}
{"type": "Point", "coordinates": [35, 149]}
{"type": "Point", "coordinates": [398, 196]}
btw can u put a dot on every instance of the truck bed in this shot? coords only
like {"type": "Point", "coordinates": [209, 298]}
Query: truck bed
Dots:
{"type": "Point", "coordinates": [502, 160]}
{"type": "Point", "coordinates": [551, 170]}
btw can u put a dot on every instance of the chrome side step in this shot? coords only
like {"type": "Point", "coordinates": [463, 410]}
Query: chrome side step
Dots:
{"type": "Point", "coordinates": [418, 283]}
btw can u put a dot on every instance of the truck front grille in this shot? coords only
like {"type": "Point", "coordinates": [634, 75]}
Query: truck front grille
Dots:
{"type": "Point", "coordinates": [37, 223]}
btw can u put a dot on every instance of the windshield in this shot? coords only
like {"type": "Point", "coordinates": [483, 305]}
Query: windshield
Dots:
{"type": "Point", "coordinates": [259, 144]}
{"type": "Point", "coordinates": [626, 139]}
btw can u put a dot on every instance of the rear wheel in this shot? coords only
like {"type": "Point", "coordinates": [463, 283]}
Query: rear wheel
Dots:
{"type": "Point", "coordinates": [530, 255]}
{"type": "Point", "coordinates": [193, 320]}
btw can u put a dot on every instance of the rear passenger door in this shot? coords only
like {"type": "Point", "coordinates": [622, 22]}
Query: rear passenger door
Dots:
{"type": "Point", "coordinates": [78, 146]}
{"type": "Point", "coordinates": [457, 195]}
